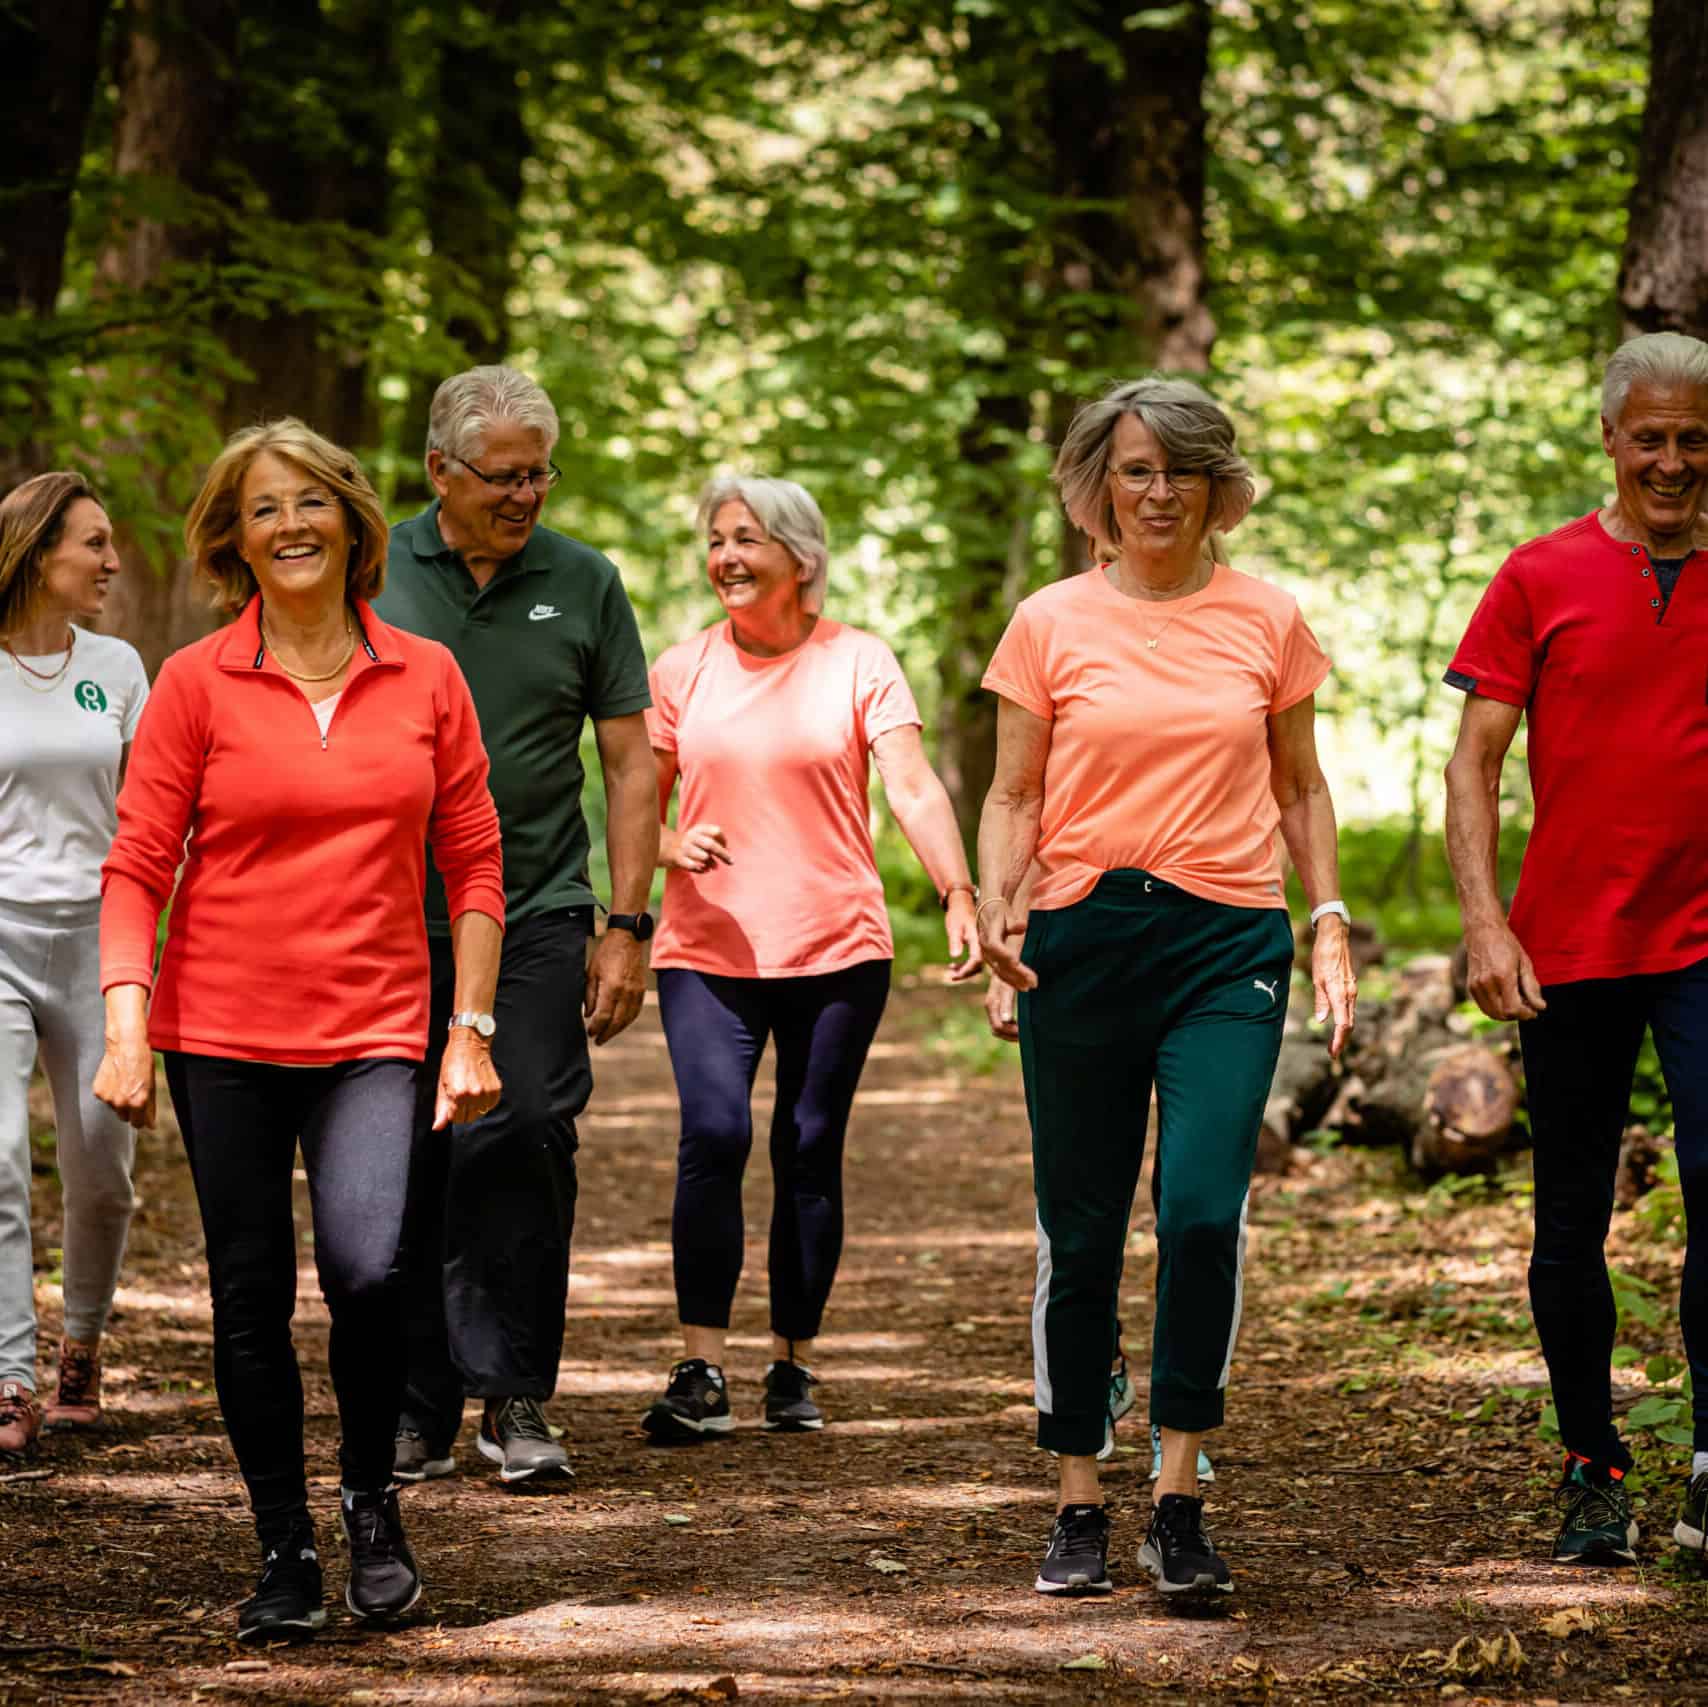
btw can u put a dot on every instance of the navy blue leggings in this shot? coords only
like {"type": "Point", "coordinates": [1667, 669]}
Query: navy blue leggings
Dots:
{"type": "Point", "coordinates": [716, 1028]}
{"type": "Point", "coordinates": [1579, 1056]}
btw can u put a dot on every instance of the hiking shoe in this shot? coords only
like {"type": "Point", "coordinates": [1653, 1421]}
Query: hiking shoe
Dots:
{"type": "Point", "coordinates": [77, 1403]}
{"type": "Point", "coordinates": [1691, 1530]}
{"type": "Point", "coordinates": [20, 1419]}
{"type": "Point", "coordinates": [384, 1580]}
{"type": "Point", "coordinates": [289, 1603]}
{"type": "Point", "coordinates": [1206, 1470]}
{"type": "Point", "coordinates": [515, 1436]}
{"type": "Point", "coordinates": [1178, 1554]}
{"type": "Point", "coordinates": [1598, 1528]}
{"type": "Point", "coordinates": [413, 1460]}
{"type": "Point", "coordinates": [788, 1410]}
{"type": "Point", "coordinates": [694, 1405]}
{"type": "Point", "coordinates": [1077, 1558]}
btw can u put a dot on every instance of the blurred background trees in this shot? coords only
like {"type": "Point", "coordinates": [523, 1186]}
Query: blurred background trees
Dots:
{"type": "Point", "coordinates": [882, 246]}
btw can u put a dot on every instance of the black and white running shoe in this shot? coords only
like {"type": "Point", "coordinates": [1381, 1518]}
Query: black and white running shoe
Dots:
{"type": "Point", "coordinates": [788, 1409]}
{"type": "Point", "coordinates": [1077, 1558]}
{"type": "Point", "coordinates": [1691, 1530]}
{"type": "Point", "coordinates": [1178, 1554]}
{"type": "Point", "coordinates": [695, 1404]}
{"type": "Point", "coordinates": [288, 1604]}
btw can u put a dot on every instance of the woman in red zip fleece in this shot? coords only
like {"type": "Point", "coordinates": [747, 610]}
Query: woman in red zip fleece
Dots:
{"type": "Point", "coordinates": [309, 753]}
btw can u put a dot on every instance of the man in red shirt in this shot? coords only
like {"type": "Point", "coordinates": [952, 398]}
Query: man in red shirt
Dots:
{"type": "Point", "coordinates": [1599, 633]}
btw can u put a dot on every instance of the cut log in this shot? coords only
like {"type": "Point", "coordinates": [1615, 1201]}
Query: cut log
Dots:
{"type": "Point", "coordinates": [1470, 1101]}
{"type": "Point", "coordinates": [1639, 1153]}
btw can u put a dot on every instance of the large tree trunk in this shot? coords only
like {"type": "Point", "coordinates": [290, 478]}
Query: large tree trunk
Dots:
{"type": "Point", "coordinates": [175, 109]}
{"type": "Point", "coordinates": [50, 56]}
{"type": "Point", "coordinates": [1663, 281]}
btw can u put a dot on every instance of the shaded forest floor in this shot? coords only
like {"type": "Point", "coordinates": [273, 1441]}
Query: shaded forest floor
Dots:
{"type": "Point", "coordinates": [1381, 1491]}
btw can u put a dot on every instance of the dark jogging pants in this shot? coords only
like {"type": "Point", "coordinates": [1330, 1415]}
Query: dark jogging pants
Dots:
{"type": "Point", "coordinates": [1579, 1057]}
{"type": "Point", "coordinates": [1142, 983]}
{"type": "Point", "coordinates": [717, 1029]}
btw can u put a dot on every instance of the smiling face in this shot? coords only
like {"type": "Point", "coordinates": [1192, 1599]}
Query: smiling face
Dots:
{"type": "Point", "coordinates": [1660, 459]}
{"type": "Point", "coordinates": [488, 522]}
{"type": "Point", "coordinates": [1158, 519]}
{"type": "Point", "coordinates": [77, 571]}
{"type": "Point", "coordinates": [292, 531]}
{"type": "Point", "coordinates": [752, 574]}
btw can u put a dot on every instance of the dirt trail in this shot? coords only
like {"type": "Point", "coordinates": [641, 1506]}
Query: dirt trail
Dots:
{"type": "Point", "coordinates": [1386, 1535]}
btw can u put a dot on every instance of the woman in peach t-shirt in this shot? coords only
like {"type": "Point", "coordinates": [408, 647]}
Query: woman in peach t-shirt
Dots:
{"type": "Point", "coordinates": [774, 925]}
{"type": "Point", "coordinates": [1154, 731]}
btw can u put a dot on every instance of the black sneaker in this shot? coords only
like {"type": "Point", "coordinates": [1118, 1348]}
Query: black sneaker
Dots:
{"type": "Point", "coordinates": [1691, 1530]}
{"type": "Point", "coordinates": [289, 1603]}
{"type": "Point", "coordinates": [694, 1405]}
{"type": "Point", "coordinates": [1598, 1528]}
{"type": "Point", "coordinates": [384, 1581]}
{"type": "Point", "coordinates": [414, 1460]}
{"type": "Point", "coordinates": [788, 1410]}
{"type": "Point", "coordinates": [514, 1434]}
{"type": "Point", "coordinates": [1077, 1558]}
{"type": "Point", "coordinates": [1178, 1554]}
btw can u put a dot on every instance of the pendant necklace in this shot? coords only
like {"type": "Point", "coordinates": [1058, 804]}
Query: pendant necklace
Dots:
{"type": "Point", "coordinates": [51, 677]}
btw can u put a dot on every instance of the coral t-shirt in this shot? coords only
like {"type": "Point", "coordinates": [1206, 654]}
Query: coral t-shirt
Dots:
{"type": "Point", "coordinates": [1613, 678]}
{"type": "Point", "coordinates": [776, 752]}
{"type": "Point", "coordinates": [1159, 753]}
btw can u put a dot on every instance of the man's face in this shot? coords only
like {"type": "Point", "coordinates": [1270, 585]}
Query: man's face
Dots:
{"type": "Point", "coordinates": [491, 518]}
{"type": "Point", "coordinates": [1660, 457]}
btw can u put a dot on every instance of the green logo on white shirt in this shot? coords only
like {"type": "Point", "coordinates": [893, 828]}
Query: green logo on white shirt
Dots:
{"type": "Point", "coordinates": [90, 696]}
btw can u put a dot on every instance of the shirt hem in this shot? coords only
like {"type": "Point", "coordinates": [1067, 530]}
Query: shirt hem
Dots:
{"type": "Point", "coordinates": [1203, 892]}
{"type": "Point", "coordinates": [1674, 960]}
{"type": "Point", "coordinates": [683, 963]}
{"type": "Point", "coordinates": [412, 1048]}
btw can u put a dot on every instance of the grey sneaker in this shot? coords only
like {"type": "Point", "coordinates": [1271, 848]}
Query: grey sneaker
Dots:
{"type": "Point", "coordinates": [515, 1436]}
{"type": "Point", "coordinates": [788, 1407]}
{"type": "Point", "coordinates": [414, 1460]}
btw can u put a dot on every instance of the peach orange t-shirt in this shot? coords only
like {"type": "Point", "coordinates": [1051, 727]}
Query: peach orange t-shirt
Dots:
{"type": "Point", "coordinates": [1159, 755]}
{"type": "Point", "coordinates": [775, 751]}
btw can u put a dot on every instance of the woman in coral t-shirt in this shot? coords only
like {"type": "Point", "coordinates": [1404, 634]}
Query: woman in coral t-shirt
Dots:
{"type": "Point", "coordinates": [1154, 731]}
{"type": "Point", "coordinates": [774, 923]}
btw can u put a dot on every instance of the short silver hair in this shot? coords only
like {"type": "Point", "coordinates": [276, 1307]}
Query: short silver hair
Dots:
{"type": "Point", "coordinates": [1194, 432]}
{"type": "Point", "coordinates": [1656, 358]}
{"type": "Point", "coordinates": [467, 406]}
{"type": "Point", "coordinates": [788, 514]}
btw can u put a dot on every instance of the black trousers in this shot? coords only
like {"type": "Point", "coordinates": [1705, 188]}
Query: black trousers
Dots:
{"type": "Point", "coordinates": [1579, 1057]}
{"type": "Point", "coordinates": [242, 1121]}
{"type": "Point", "coordinates": [492, 1204]}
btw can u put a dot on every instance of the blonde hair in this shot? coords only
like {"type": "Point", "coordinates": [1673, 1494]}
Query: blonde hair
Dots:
{"type": "Point", "coordinates": [215, 523]}
{"type": "Point", "coordinates": [32, 523]}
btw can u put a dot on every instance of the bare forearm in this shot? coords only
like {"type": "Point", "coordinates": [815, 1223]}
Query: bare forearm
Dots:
{"type": "Point", "coordinates": [1473, 842]}
{"type": "Point", "coordinates": [477, 944]}
{"type": "Point", "coordinates": [127, 1012]}
{"type": "Point", "coordinates": [632, 834]}
{"type": "Point", "coordinates": [1308, 828]}
{"type": "Point", "coordinates": [928, 821]}
{"type": "Point", "coordinates": [1008, 837]}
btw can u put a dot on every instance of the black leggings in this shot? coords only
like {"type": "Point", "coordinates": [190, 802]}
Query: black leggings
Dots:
{"type": "Point", "coordinates": [241, 1122]}
{"type": "Point", "coordinates": [716, 1028]}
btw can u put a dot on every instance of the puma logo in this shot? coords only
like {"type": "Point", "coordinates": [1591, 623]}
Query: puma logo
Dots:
{"type": "Point", "coordinates": [1268, 989]}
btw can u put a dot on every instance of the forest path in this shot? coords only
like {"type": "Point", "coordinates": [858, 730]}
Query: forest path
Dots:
{"type": "Point", "coordinates": [1381, 1493]}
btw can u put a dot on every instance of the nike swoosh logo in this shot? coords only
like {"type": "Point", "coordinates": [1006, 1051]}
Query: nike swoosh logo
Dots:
{"type": "Point", "coordinates": [540, 613]}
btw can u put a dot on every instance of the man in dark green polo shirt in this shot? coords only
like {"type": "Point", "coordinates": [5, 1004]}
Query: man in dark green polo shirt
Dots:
{"type": "Point", "coordinates": [544, 633]}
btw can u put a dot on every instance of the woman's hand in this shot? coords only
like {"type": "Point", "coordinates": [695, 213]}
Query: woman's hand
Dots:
{"type": "Point", "coordinates": [962, 925]}
{"type": "Point", "coordinates": [1000, 935]}
{"type": "Point", "coordinates": [697, 848]}
{"type": "Point", "coordinates": [468, 1081]}
{"type": "Point", "coordinates": [999, 1010]}
{"type": "Point", "coordinates": [1332, 979]}
{"type": "Point", "coordinates": [124, 1081]}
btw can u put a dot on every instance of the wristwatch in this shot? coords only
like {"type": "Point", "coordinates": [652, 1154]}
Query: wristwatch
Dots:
{"type": "Point", "coordinates": [638, 925]}
{"type": "Point", "coordinates": [482, 1025]}
{"type": "Point", "coordinates": [1337, 907]}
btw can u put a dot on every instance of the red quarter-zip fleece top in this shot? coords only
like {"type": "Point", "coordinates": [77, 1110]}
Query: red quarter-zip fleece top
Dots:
{"type": "Point", "coordinates": [297, 934]}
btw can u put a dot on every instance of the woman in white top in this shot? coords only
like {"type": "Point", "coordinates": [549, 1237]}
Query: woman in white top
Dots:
{"type": "Point", "coordinates": [69, 703]}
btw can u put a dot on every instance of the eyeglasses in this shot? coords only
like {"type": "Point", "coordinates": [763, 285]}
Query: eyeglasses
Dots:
{"type": "Point", "coordinates": [541, 479]}
{"type": "Point", "coordinates": [1139, 477]}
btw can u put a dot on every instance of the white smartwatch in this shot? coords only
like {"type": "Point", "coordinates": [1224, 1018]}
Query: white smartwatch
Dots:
{"type": "Point", "coordinates": [482, 1025]}
{"type": "Point", "coordinates": [1331, 907]}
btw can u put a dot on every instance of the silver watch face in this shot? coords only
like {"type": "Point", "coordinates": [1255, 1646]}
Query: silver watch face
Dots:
{"type": "Point", "coordinates": [482, 1025]}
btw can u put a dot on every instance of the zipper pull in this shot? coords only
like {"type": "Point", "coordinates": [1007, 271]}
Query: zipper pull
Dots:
{"type": "Point", "coordinates": [323, 743]}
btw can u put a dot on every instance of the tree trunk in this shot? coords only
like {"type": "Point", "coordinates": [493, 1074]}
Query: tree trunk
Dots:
{"type": "Point", "coordinates": [1663, 281]}
{"type": "Point", "coordinates": [175, 108]}
{"type": "Point", "coordinates": [50, 57]}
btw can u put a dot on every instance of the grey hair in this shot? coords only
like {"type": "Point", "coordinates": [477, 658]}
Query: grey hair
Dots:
{"type": "Point", "coordinates": [788, 514]}
{"type": "Point", "coordinates": [1194, 432]}
{"type": "Point", "coordinates": [467, 406]}
{"type": "Point", "coordinates": [1656, 358]}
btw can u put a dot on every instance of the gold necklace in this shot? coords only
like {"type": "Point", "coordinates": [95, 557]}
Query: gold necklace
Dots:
{"type": "Point", "coordinates": [52, 677]}
{"type": "Point", "coordinates": [297, 675]}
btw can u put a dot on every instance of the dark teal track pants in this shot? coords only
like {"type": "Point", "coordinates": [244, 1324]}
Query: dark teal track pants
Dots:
{"type": "Point", "coordinates": [1139, 983]}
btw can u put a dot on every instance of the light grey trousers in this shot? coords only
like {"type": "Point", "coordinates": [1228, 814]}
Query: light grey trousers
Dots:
{"type": "Point", "coordinates": [50, 999]}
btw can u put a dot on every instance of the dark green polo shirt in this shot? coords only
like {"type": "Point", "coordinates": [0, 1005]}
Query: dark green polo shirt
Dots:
{"type": "Point", "coordinates": [549, 641]}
